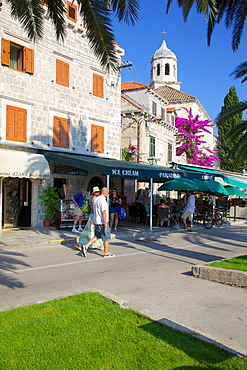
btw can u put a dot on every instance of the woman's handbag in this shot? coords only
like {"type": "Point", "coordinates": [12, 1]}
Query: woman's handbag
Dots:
{"type": "Point", "coordinates": [122, 213]}
{"type": "Point", "coordinates": [86, 208]}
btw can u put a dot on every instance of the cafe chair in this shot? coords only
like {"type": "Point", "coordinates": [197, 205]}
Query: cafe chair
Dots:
{"type": "Point", "coordinates": [162, 216]}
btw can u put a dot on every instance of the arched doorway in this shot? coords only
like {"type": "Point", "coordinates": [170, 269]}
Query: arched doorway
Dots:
{"type": "Point", "coordinates": [95, 181]}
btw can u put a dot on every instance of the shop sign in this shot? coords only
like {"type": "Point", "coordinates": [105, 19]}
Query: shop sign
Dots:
{"type": "Point", "coordinates": [28, 175]}
{"type": "Point", "coordinates": [118, 172]}
{"type": "Point", "coordinates": [63, 170]}
{"type": "Point", "coordinates": [169, 175]}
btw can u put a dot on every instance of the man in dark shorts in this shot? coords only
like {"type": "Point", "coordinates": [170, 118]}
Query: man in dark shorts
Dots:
{"type": "Point", "coordinates": [101, 218]}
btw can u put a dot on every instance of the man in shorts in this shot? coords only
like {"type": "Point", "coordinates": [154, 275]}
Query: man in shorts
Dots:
{"type": "Point", "coordinates": [101, 218]}
{"type": "Point", "coordinates": [189, 211]}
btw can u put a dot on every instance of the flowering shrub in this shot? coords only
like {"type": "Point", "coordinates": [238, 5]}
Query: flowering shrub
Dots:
{"type": "Point", "coordinates": [189, 141]}
{"type": "Point", "coordinates": [129, 153]}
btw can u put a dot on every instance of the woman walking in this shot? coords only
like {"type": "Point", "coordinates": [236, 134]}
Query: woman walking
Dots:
{"type": "Point", "coordinates": [115, 203]}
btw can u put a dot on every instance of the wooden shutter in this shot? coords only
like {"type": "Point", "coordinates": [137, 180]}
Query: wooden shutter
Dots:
{"type": "Point", "coordinates": [61, 131]}
{"type": "Point", "coordinates": [62, 73]}
{"type": "Point", "coordinates": [5, 52]}
{"type": "Point", "coordinates": [97, 139]}
{"type": "Point", "coordinates": [16, 124]}
{"type": "Point", "coordinates": [28, 59]}
{"type": "Point", "coordinates": [98, 86]}
{"type": "Point", "coordinates": [71, 11]}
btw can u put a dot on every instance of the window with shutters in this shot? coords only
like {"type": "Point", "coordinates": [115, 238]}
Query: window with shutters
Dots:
{"type": "Point", "coordinates": [169, 152]}
{"type": "Point", "coordinates": [16, 124]}
{"type": "Point", "coordinates": [98, 85]}
{"type": "Point", "coordinates": [97, 139]}
{"type": "Point", "coordinates": [71, 11]}
{"type": "Point", "coordinates": [17, 56]}
{"type": "Point", "coordinates": [163, 114]}
{"type": "Point", "coordinates": [61, 132]}
{"type": "Point", "coordinates": [154, 108]}
{"type": "Point", "coordinates": [62, 73]}
{"type": "Point", "coordinates": [152, 146]}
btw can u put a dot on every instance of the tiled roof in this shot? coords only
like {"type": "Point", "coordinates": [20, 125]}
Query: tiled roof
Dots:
{"type": "Point", "coordinates": [171, 109]}
{"type": "Point", "coordinates": [132, 85]}
{"type": "Point", "coordinates": [171, 94]}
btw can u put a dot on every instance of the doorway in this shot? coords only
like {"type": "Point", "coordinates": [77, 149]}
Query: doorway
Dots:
{"type": "Point", "coordinates": [16, 202]}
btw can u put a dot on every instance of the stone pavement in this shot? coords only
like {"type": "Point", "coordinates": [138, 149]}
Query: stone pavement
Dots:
{"type": "Point", "coordinates": [33, 237]}
{"type": "Point", "coordinates": [43, 236]}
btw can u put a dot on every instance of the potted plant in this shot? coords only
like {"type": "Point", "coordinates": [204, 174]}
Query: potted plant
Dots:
{"type": "Point", "coordinates": [129, 153]}
{"type": "Point", "coordinates": [49, 200]}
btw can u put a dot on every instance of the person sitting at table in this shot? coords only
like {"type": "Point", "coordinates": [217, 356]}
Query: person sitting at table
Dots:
{"type": "Point", "coordinates": [173, 214]}
{"type": "Point", "coordinates": [139, 198]}
{"type": "Point", "coordinates": [164, 206]}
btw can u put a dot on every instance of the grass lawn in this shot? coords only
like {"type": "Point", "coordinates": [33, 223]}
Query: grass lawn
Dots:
{"type": "Point", "coordinates": [88, 331]}
{"type": "Point", "coordinates": [238, 263]}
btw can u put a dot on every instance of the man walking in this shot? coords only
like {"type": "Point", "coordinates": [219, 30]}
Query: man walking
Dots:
{"type": "Point", "coordinates": [101, 218]}
{"type": "Point", "coordinates": [189, 211]}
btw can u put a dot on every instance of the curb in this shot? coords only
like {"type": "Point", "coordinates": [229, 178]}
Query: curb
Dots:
{"type": "Point", "coordinates": [220, 275]}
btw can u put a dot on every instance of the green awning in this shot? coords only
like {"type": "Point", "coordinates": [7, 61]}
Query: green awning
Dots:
{"type": "Point", "coordinates": [228, 179]}
{"type": "Point", "coordinates": [235, 181]}
{"type": "Point", "coordinates": [113, 167]}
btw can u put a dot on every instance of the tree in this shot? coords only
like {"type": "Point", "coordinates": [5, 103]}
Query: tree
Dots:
{"type": "Point", "coordinates": [97, 15]}
{"type": "Point", "coordinates": [229, 160]}
{"type": "Point", "coordinates": [234, 13]}
{"type": "Point", "coordinates": [189, 142]}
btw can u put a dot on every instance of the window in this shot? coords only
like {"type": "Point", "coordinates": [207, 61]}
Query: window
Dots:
{"type": "Point", "coordinates": [167, 69]}
{"type": "Point", "coordinates": [16, 124]}
{"type": "Point", "coordinates": [158, 69]}
{"type": "Point", "coordinates": [97, 139]}
{"type": "Point", "coordinates": [98, 86]}
{"type": "Point", "coordinates": [17, 56]}
{"type": "Point", "coordinates": [62, 73]}
{"type": "Point", "coordinates": [163, 114]}
{"type": "Point", "coordinates": [152, 146]}
{"type": "Point", "coordinates": [170, 118]}
{"type": "Point", "coordinates": [71, 11]}
{"type": "Point", "coordinates": [61, 130]}
{"type": "Point", "coordinates": [169, 152]}
{"type": "Point", "coordinates": [154, 108]}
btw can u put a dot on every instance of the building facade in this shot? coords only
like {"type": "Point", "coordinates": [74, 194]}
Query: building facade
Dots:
{"type": "Point", "coordinates": [149, 111]}
{"type": "Point", "coordinates": [54, 96]}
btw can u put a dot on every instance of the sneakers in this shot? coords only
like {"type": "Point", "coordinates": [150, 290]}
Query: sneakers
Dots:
{"type": "Point", "coordinates": [109, 255]}
{"type": "Point", "coordinates": [115, 229]}
{"type": "Point", "coordinates": [83, 249]}
{"type": "Point", "coordinates": [80, 229]}
{"type": "Point", "coordinates": [74, 230]}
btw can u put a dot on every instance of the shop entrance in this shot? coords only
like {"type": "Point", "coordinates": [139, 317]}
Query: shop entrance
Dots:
{"type": "Point", "coordinates": [95, 181]}
{"type": "Point", "coordinates": [16, 203]}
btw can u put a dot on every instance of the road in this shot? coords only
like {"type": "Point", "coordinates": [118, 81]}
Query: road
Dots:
{"type": "Point", "coordinates": [153, 274]}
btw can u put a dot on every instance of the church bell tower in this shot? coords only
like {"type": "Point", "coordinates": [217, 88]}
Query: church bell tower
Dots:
{"type": "Point", "coordinates": [164, 68]}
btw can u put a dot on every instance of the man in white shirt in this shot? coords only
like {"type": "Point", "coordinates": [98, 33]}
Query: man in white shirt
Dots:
{"type": "Point", "coordinates": [101, 218]}
{"type": "Point", "coordinates": [189, 211]}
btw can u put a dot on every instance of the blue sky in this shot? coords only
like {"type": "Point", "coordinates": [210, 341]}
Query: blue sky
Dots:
{"type": "Point", "coordinates": [203, 70]}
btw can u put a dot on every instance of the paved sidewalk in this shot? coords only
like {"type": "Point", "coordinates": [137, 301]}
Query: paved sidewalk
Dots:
{"type": "Point", "coordinates": [43, 236]}
{"type": "Point", "coordinates": [33, 237]}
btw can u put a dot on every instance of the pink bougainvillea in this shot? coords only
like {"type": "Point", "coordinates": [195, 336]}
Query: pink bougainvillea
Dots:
{"type": "Point", "coordinates": [189, 140]}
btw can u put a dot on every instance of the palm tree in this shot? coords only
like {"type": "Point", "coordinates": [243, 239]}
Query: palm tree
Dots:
{"type": "Point", "coordinates": [233, 11]}
{"type": "Point", "coordinates": [97, 15]}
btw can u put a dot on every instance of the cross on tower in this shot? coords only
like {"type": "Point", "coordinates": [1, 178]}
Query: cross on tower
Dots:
{"type": "Point", "coordinates": [164, 32]}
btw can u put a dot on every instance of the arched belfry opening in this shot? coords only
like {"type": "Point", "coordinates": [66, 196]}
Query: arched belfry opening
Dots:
{"type": "Point", "coordinates": [167, 69]}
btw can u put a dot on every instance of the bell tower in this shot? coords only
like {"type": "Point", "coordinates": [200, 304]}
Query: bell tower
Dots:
{"type": "Point", "coordinates": [164, 68]}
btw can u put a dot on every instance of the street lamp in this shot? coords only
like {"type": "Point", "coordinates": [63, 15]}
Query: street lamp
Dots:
{"type": "Point", "coordinates": [152, 160]}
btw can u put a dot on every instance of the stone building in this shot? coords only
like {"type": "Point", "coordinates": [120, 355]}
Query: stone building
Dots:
{"type": "Point", "coordinates": [55, 96]}
{"type": "Point", "coordinates": [149, 111]}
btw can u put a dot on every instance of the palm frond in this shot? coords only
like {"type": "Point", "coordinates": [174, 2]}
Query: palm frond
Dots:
{"type": "Point", "coordinates": [240, 71]}
{"type": "Point", "coordinates": [230, 112]}
{"type": "Point", "coordinates": [239, 150]}
{"type": "Point", "coordinates": [30, 15]}
{"type": "Point", "coordinates": [126, 10]}
{"type": "Point", "coordinates": [99, 31]}
{"type": "Point", "coordinates": [57, 12]}
{"type": "Point", "coordinates": [239, 21]}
